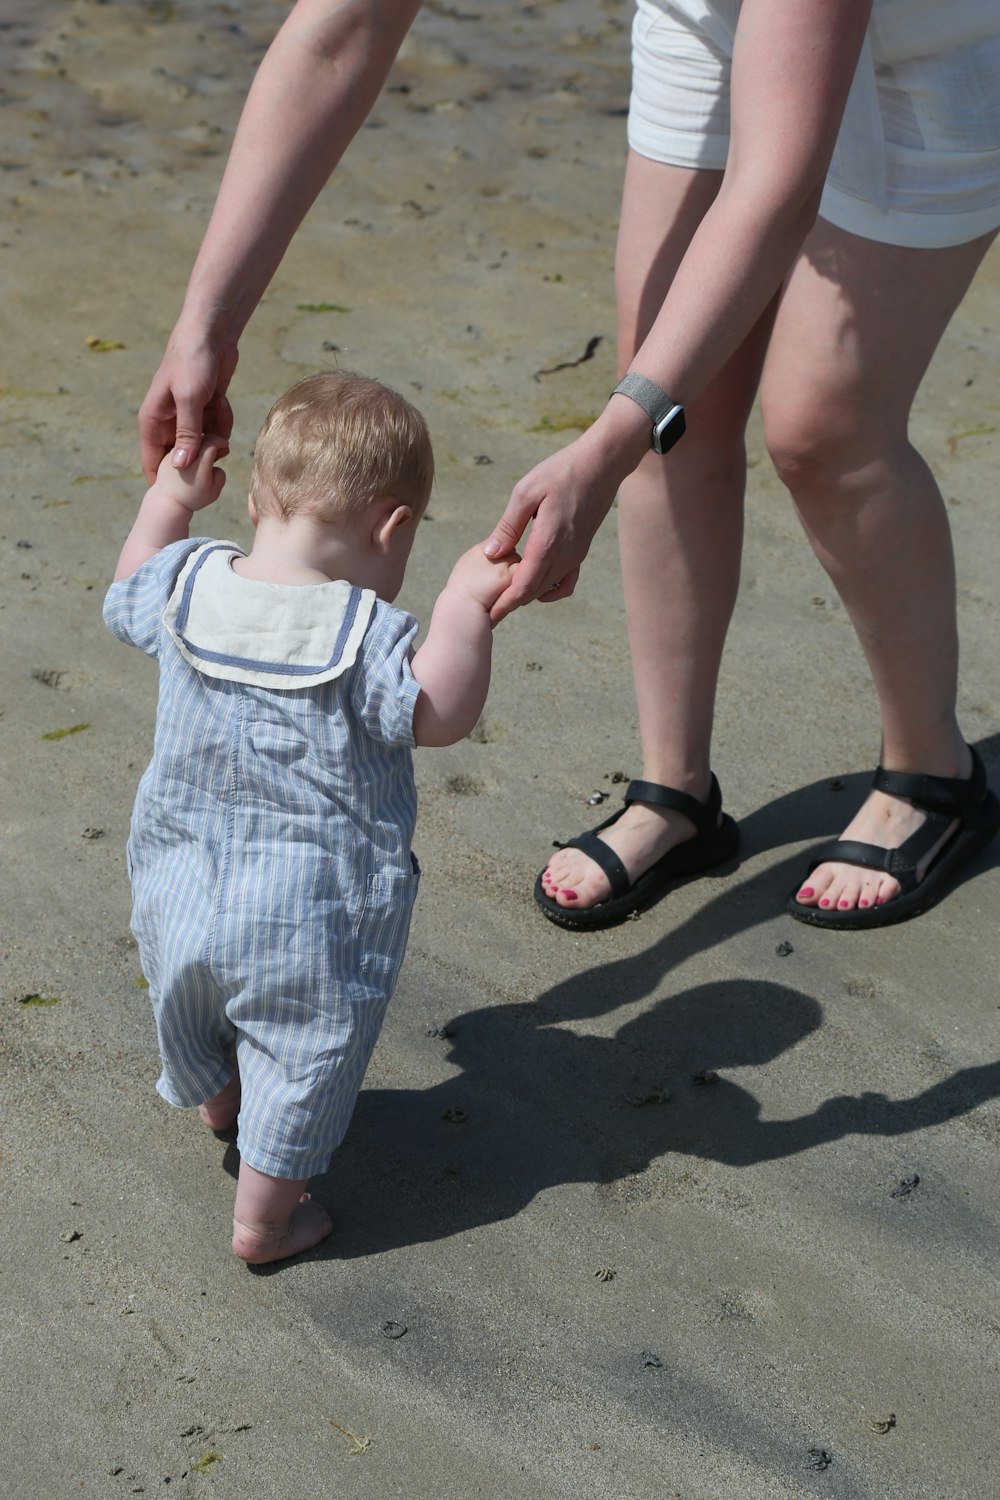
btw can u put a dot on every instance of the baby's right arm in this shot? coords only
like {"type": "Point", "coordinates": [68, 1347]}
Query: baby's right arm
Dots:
{"type": "Point", "coordinates": [165, 513]}
{"type": "Point", "coordinates": [453, 665]}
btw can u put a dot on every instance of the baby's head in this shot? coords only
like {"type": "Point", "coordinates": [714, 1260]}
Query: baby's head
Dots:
{"type": "Point", "coordinates": [336, 443]}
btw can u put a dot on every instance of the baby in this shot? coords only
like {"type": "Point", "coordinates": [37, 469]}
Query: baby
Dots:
{"type": "Point", "coordinates": [269, 854]}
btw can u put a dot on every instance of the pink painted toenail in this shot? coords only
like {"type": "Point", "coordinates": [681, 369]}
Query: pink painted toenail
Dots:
{"type": "Point", "coordinates": [807, 891]}
{"type": "Point", "coordinates": [863, 901]}
{"type": "Point", "coordinates": [881, 900]}
{"type": "Point", "coordinates": [825, 901]}
{"type": "Point", "coordinates": [570, 895]}
{"type": "Point", "coordinates": [844, 903]}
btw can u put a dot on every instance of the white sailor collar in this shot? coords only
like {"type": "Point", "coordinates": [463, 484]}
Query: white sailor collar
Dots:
{"type": "Point", "coordinates": [278, 635]}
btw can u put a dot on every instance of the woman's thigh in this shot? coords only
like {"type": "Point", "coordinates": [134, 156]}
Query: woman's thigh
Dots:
{"type": "Point", "coordinates": [856, 327]}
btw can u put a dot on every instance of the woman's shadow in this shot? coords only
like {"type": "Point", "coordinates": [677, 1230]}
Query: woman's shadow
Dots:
{"type": "Point", "coordinates": [538, 1105]}
{"type": "Point", "coordinates": [540, 1101]}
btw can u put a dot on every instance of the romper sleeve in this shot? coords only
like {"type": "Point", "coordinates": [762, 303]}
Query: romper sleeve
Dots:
{"type": "Point", "coordinates": [133, 606]}
{"type": "Point", "coordinates": [383, 689]}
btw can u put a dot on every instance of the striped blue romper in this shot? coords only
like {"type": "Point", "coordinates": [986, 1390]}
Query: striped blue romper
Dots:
{"type": "Point", "coordinates": [270, 848]}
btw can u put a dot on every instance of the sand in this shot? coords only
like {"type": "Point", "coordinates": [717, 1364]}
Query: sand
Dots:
{"type": "Point", "coordinates": [718, 1214]}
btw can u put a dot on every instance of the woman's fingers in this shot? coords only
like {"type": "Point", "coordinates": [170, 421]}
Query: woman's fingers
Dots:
{"type": "Point", "coordinates": [560, 590]}
{"type": "Point", "coordinates": [186, 399]}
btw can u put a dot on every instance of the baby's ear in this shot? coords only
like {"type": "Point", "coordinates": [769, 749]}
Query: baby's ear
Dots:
{"type": "Point", "coordinates": [389, 517]}
{"type": "Point", "coordinates": [253, 511]}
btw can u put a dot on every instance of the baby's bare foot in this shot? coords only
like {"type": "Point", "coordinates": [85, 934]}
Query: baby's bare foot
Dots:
{"type": "Point", "coordinates": [259, 1243]}
{"type": "Point", "coordinates": [219, 1112]}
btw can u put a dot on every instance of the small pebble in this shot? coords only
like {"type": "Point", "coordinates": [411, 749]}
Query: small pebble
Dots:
{"type": "Point", "coordinates": [393, 1330]}
{"type": "Point", "coordinates": [706, 1076]}
{"type": "Point", "coordinates": [455, 1116]}
{"type": "Point", "coordinates": [651, 1361]}
{"type": "Point", "coordinates": [444, 1032]}
{"type": "Point", "coordinates": [69, 1235]}
{"type": "Point", "coordinates": [596, 798]}
{"type": "Point", "coordinates": [604, 1273]}
{"type": "Point", "coordinates": [658, 1096]}
{"type": "Point", "coordinates": [836, 785]}
{"type": "Point", "coordinates": [784, 948]}
{"type": "Point", "coordinates": [883, 1424]}
{"type": "Point", "coordinates": [904, 1187]}
{"type": "Point", "coordinates": [818, 1459]}
{"type": "Point", "coordinates": [92, 833]}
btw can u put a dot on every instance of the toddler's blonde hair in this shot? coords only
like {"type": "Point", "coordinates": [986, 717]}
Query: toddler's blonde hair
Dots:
{"type": "Point", "coordinates": [337, 441]}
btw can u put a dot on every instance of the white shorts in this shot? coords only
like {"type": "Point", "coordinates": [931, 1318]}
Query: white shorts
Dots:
{"type": "Point", "coordinates": [917, 160]}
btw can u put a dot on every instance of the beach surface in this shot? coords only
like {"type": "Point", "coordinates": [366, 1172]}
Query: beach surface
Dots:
{"type": "Point", "coordinates": [704, 1207]}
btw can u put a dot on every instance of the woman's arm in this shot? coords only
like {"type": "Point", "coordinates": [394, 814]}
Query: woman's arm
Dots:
{"type": "Point", "coordinates": [313, 91]}
{"type": "Point", "coordinates": [793, 63]}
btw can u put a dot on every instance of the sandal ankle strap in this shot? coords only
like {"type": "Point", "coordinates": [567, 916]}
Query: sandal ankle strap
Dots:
{"type": "Point", "coordinates": [704, 815]}
{"type": "Point", "coordinates": [951, 795]}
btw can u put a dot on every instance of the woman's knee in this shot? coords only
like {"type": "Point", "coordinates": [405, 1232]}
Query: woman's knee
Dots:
{"type": "Point", "coordinates": [814, 441]}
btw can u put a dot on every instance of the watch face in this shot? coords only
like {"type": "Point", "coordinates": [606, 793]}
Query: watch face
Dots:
{"type": "Point", "coordinates": [668, 429]}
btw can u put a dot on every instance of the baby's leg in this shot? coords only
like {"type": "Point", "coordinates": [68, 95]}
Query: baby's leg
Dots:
{"type": "Point", "coordinates": [274, 1218]}
{"type": "Point", "coordinates": [219, 1112]}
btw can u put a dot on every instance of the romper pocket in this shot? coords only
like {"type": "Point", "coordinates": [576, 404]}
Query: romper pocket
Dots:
{"type": "Point", "coordinates": [384, 923]}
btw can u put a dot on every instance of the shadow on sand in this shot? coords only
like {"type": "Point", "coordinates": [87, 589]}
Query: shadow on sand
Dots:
{"type": "Point", "coordinates": [540, 1104]}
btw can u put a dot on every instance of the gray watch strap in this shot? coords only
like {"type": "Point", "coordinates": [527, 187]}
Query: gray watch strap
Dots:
{"type": "Point", "coordinates": [665, 414]}
{"type": "Point", "coordinates": [645, 393]}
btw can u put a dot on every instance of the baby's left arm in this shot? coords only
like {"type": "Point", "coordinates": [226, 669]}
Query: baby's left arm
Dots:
{"type": "Point", "coordinates": [453, 665]}
{"type": "Point", "coordinates": [166, 510]}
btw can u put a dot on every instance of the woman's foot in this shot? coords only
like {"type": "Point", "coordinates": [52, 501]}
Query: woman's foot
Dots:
{"type": "Point", "coordinates": [219, 1112]}
{"type": "Point", "coordinates": [260, 1243]}
{"type": "Point", "coordinates": [887, 822]}
{"type": "Point", "coordinates": [641, 836]}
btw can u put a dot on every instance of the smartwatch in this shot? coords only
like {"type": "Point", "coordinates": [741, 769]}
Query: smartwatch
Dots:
{"type": "Point", "coordinates": [666, 415]}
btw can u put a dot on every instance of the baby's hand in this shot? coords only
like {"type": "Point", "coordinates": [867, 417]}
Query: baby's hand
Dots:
{"type": "Point", "coordinates": [198, 486]}
{"type": "Point", "coordinates": [481, 578]}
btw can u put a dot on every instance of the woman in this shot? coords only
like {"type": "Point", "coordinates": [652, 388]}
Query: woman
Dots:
{"type": "Point", "coordinates": [740, 263]}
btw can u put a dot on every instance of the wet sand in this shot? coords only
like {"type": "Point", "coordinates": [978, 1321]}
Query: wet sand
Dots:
{"type": "Point", "coordinates": [702, 1207]}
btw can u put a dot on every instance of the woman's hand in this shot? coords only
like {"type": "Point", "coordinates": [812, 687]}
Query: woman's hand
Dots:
{"type": "Point", "coordinates": [566, 497]}
{"type": "Point", "coordinates": [185, 401]}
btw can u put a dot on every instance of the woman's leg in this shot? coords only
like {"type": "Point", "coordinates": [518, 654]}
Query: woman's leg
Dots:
{"type": "Point", "coordinates": [855, 331]}
{"type": "Point", "coordinates": [680, 526]}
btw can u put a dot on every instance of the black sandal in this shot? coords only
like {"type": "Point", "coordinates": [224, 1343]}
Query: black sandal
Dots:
{"type": "Point", "coordinates": [713, 844]}
{"type": "Point", "coordinates": [942, 799]}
